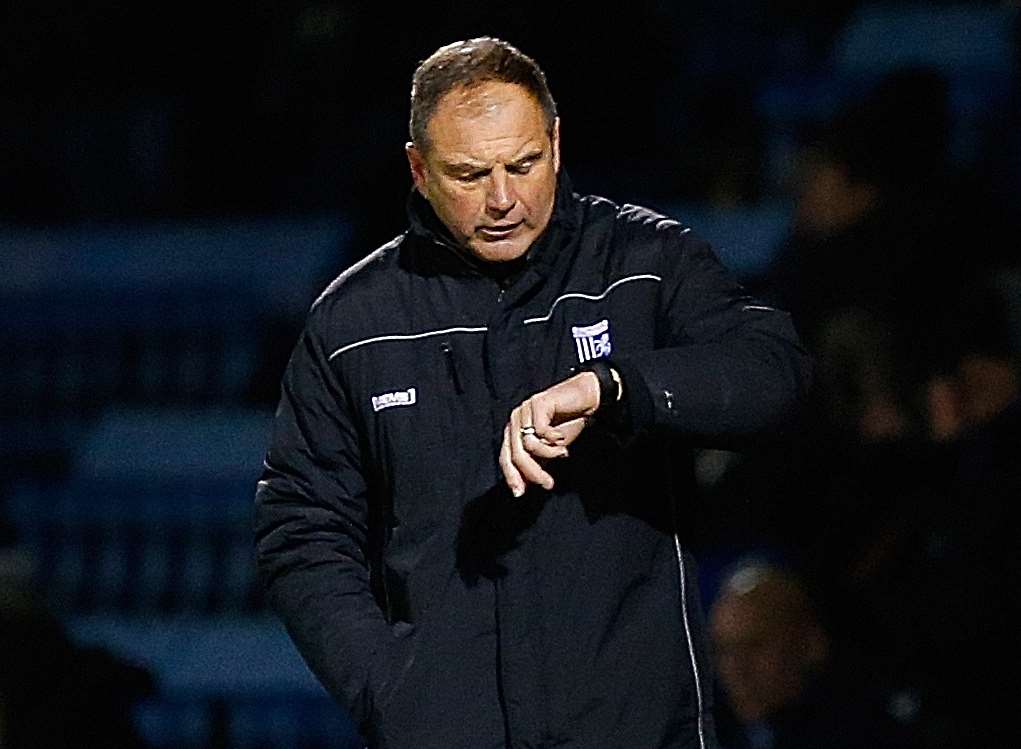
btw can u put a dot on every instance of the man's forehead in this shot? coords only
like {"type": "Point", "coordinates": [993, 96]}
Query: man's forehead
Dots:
{"type": "Point", "coordinates": [485, 116]}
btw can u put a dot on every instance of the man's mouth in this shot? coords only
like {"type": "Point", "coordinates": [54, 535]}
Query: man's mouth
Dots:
{"type": "Point", "coordinates": [498, 231]}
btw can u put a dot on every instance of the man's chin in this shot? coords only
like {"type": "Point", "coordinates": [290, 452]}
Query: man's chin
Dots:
{"type": "Point", "coordinates": [499, 251]}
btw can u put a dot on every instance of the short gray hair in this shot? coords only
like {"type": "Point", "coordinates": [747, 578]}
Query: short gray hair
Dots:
{"type": "Point", "coordinates": [465, 64]}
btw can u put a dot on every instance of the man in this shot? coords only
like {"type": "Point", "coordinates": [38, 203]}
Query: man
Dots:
{"type": "Point", "coordinates": [466, 518]}
{"type": "Point", "coordinates": [768, 645]}
{"type": "Point", "coordinates": [783, 688]}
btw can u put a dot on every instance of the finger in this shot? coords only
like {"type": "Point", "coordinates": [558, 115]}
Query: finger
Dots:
{"type": "Point", "coordinates": [539, 448]}
{"type": "Point", "coordinates": [525, 464]}
{"type": "Point", "coordinates": [527, 467]}
{"type": "Point", "coordinates": [510, 474]}
{"type": "Point", "coordinates": [514, 436]}
{"type": "Point", "coordinates": [523, 413]}
{"type": "Point", "coordinates": [524, 432]}
{"type": "Point", "coordinates": [530, 470]}
{"type": "Point", "coordinates": [541, 410]}
{"type": "Point", "coordinates": [572, 429]}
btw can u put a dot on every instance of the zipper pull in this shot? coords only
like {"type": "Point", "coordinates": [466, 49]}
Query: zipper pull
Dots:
{"type": "Point", "coordinates": [448, 355]}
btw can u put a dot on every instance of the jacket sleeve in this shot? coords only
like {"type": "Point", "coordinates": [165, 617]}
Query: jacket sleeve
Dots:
{"type": "Point", "coordinates": [726, 366]}
{"type": "Point", "coordinates": [312, 535]}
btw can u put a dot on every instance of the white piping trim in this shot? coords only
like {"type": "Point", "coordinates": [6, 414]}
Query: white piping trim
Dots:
{"type": "Point", "coordinates": [407, 337]}
{"type": "Point", "coordinates": [758, 306]}
{"type": "Point", "coordinates": [687, 634]}
{"type": "Point", "coordinates": [591, 297]}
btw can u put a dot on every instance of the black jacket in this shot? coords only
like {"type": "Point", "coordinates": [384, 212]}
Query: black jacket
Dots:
{"type": "Point", "coordinates": [437, 608]}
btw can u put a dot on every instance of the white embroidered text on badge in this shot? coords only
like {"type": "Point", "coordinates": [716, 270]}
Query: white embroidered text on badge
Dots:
{"type": "Point", "coordinates": [396, 398]}
{"type": "Point", "coordinates": [592, 341]}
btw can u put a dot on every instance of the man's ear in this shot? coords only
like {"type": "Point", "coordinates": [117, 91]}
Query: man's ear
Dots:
{"type": "Point", "coordinates": [416, 161]}
{"type": "Point", "coordinates": [556, 145]}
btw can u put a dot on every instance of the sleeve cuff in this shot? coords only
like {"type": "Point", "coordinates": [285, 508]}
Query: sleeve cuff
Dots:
{"type": "Point", "coordinates": [636, 410]}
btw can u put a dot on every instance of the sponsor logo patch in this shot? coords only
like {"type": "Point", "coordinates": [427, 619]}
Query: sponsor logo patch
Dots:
{"type": "Point", "coordinates": [396, 398]}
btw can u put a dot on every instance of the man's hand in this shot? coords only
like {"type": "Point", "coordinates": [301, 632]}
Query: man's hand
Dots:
{"type": "Point", "coordinates": [542, 427]}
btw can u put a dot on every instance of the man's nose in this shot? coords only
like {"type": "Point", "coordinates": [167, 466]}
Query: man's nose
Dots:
{"type": "Point", "coordinates": [500, 197]}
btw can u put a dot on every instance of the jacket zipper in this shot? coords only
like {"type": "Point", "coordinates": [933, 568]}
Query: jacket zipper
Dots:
{"type": "Point", "coordinates": [448, 355]}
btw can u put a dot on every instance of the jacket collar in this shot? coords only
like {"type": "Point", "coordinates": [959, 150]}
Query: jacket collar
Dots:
{"type": "Point", "coordinates": [425, 224]}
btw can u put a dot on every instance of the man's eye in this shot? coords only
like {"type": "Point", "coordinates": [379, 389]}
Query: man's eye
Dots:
{"type": "Point", "coordinates": [469, 178]}
{"type": "Point", "coordinates": [523, 168]}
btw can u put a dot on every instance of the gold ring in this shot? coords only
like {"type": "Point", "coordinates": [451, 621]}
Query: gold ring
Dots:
{"type": "Point", "coordinates": [525, 431]}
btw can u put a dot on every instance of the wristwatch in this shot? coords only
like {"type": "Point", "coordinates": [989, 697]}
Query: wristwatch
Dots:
{"type": "Point", "coordinates": [611, 388]}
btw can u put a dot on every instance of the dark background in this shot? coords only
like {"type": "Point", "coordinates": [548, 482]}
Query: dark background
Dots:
{"type": "Point", "coordinates": [115, 110]}
{"type": "Point", "coordinates": [176, 185]}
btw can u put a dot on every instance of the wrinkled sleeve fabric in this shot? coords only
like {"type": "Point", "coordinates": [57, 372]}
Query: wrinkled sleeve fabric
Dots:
{"type": "Point", "coordinates": [312, 534]}
{"type": "Point", "coordinates": [726, 367]}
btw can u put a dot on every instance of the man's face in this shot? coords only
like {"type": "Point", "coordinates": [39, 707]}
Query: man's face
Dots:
{"type": "Point", "coordinates": [490, 168]}
{"type": "Point", "coordinates": [761, 660]}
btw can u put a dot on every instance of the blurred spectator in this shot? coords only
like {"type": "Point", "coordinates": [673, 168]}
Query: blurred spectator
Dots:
{"type": "Point", "coordinates": [885, 230]}
{"type": "Point", "coordinates": [936, 583]}
{"type": "Point", "coordinates": [861, 382]}
{"type": "Point", "coordinates": [54, 695]}
{"type": "Point", "coordinates": [861, 226]}
{"type": "Point", "coordinates": [912, 541]}
{"type": "Point", "coordinates": [976, 379]}
{"type": "Point", "coordinates": [782, 687]}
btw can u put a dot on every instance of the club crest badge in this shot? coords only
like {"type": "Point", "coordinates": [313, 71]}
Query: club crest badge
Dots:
{"type": "Point", "coordinates": [592, 341]}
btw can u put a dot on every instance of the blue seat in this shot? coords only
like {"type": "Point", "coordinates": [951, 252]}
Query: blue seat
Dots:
{"type": "Point", "coordinates": [957, 39]}
{"type": "Point", "coordinates": [275, 265]}
{"type": "Point", "coordinates": [291, 722]}
{"type": "Point", "coordinates": [152, 312]}
{"type": "Point", "coordinates": [234, 682]}
{"type": "Point", "coordinates": [745, 239]}
{"type": "Point", "coordinates": [202, 656]}
{"type": "Point", "coordinates": [236, 678]}
{"type": "Point", "coordinates": [970, 45]}
{"type": "Point", "coordinates": [175, 444]}
{"type": "Point", "coordinates": [284, 721]}
{"type": "Point", "coordinates": [105, 545]}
